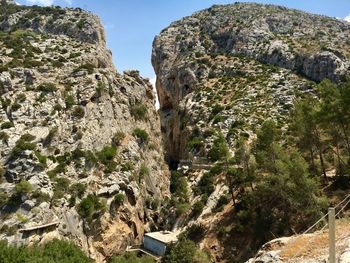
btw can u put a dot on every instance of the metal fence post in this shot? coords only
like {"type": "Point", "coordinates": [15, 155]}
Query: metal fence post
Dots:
{"type": "Point", "coordinates": [331, 222]}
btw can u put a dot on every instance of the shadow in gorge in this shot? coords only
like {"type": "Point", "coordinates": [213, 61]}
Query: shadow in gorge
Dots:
{"type": "Point", "coordinates": [173, 164]}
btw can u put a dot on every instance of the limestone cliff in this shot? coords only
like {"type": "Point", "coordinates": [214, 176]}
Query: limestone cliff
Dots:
{"type": "Point", "coordinates": [221, 73]}
{"type": "Point", "coordinates": [251, 59]}
{"type": "Point", "coordinates": [75, 135]}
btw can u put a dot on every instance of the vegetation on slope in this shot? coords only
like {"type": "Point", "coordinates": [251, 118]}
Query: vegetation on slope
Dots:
{"type": "Point", "coordinates": [56, 251]}
{"type": "Point", "coordinates": [279, 180]}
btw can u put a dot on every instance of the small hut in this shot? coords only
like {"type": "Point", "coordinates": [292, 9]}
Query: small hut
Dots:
{"type": "Point", "coordinates": [157, 242]}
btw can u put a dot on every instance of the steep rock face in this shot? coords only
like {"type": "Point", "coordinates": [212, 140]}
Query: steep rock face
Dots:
{"type": "Point", "coordinates": [75, 136]}
{"type": "Point", "coordinates": [74, 23]}
{"type": "Point", "coordinates": [221, 73]}
{"type": "Point", "coordinates": [198, 50]}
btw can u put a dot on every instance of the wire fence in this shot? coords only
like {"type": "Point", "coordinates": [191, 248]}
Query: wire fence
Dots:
{"type": "Point", "coordinates": [346, 200]}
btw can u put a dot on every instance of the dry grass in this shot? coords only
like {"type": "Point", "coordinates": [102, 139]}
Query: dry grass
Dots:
{"type": "Point", "coordinates": [314, 245]}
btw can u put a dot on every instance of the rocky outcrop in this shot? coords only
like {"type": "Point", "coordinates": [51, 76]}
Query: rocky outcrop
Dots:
{"type": "Point", "coordinates": [80, 143]}
{"type": "Point", "coordinates": [74, 23]}
{"type": "Point", "coordinates": [9, 2]}
{"type": "Point", "coordinates": [305, 248]}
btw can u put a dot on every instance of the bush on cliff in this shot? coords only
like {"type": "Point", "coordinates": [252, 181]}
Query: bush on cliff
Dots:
{"type": "Point", "coordinates": [56, 251]}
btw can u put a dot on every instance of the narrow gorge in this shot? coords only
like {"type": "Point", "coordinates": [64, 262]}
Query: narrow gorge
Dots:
{"type": "Point", "coordinates": [229, 161]}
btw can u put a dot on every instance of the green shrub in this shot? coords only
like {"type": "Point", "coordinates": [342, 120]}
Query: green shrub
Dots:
{"type": "Point", "coordinates": [69, 101]}
{"type": "Point", "coordinates": [144, 171]}
{"type": "Point", "coordinates": [53, 251]}
{"type": "Point", "coordinates": [3, 199]}
{"type": "Point", "coordinates": [31, 63]}
{"type": "Point", "coordinates": [74, 55]}
{"type": "Point", "coordinates": [23, 187]}
{"type": "Point", "coordinates": [195, 232]}
{"type": "Point", "coordinates": [91, 207]}
{"type": "Point", "coordinates": [78, 112]}
{"type": "Point", "coordinates": [142, 135]}
{"type": "Point", "coordinates": [179, 187]}
{"type": "Point", "coordinates": [23, 144]}
{"type": "Point", "coordinates": [78, 153]}
{"type": "Point", "coordinates": [78, 189]}
{"type": "Point", "coordinates": [221, 203]}
{"type": "Point", "coordinates": [81, 23]}
{"type": "Point", "coordinates": [139, 111]}
{"type": "Point", "coordinates": [217, 119]}
{"type": "Point", "coordinates": [219, 149]}
{"type": "Point", "coordinates": [119, 199]}
{"type": "Point", "coordinates": [208, 133]}
{"type": "Point", "coordinates": [60, 168]}
{"type": "Point", "coordinates": [131, 258]}
{"type": "Point", "coordinates": [15, 106]}
{"type": "Point", "coordinates": [195, 144]}
{"type": "Point", "coordinates": [41, 196]}
{"type": "Point", "coordinates": [52, 133]}
{"type": "Point", "coordinates": [5, 102]}
{"type": "Point", "coordinates": [216, 109]}
{"type": "Point", "coordinates": [216, 169]}
{"type": "Point", "coordinates": [22, 218]}
{"type": "Point", "coordinates": [182, 209]}
{"type": "Point", "coordinates": [57, 64]}
{"type": "Point", "coordinates": [6, 125]}
{"type": "Point", "coordinates": [107, 154]}
{"type": "Point", "coordinates": [21, 98]}
{"type": "Point", "coordinates": [47, 87]}
{"type": "Point", "coordinates": [205, 185]}
{"type": "Point", "coordinates": [61, 187]}
{"type": "Point", "coordinates": [127, 166]}
{"type": "Point", "coordinates": [2, 173]}
{"type": "Point", "coordinates": [88, 67]}
{"type": "Point", "coordinates": [185, 251]}
{"type": "Point", "coordinates": [197, 208]}
{"type": "Point", "coordinates": [27, 137]}
{"type": "Point", "coordinates": [72, 201]}
{"type": "Point", "coordinates": [57, 108]}
{"type": "Point", "coordinates": [42, 158]}
{"type": "Point", "coordinates": [4, 137]}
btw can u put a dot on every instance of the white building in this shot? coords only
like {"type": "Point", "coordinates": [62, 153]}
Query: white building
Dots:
{"type": "Point", "coordinates": [157, 242]}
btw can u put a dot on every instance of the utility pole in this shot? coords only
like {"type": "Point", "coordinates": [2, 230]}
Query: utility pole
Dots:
{"type": "Point", "coordinates": [331, 223]}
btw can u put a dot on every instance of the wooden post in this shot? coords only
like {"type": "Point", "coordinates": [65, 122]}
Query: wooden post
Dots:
{"type": "Point", "coordinates": [331, 222]}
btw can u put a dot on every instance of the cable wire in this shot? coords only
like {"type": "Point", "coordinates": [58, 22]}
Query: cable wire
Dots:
{"type": "Point", "coordinates": [317, 222]}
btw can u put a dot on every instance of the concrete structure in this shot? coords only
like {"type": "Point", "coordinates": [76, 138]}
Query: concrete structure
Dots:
{"type": "Point", "coordinates": [33, 228]}
{"type": "Point", "coordinates": [157, 242]}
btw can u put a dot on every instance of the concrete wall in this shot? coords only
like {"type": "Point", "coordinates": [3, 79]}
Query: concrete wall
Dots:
{"type": "Point", "coordinates": [154, 246]}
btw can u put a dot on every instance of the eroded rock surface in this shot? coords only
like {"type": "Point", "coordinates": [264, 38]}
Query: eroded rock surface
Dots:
{"type": "Point", "coordinates": [259, 55]}
{"type": "Point", "coordinates": [69, 127]}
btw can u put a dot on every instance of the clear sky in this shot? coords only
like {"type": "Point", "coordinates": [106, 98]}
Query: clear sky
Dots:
{"type": "Point", "coordinates": [132, 24]}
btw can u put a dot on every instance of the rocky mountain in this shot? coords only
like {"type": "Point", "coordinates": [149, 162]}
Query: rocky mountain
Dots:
{"type": "Point", "coordinates": [221, 73]}
{"type": "Point", "coordinates": [80, 144]}
{"type": "Point", "coordinates": [83, 147]}
{"type": "Point", "coordinates": [250, 59]}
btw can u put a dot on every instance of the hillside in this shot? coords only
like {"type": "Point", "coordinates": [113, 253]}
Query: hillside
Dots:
{"type": "Point", "coordinates": [250, 59]}
{"type": "Point", "coordinates": [251, 141]}
{"type": "Point", "coordinates": [245, 114]}
{"type": "Point", "coordinates": [80, 144]}
{"type": "Point", "coordinates": [306, 248]}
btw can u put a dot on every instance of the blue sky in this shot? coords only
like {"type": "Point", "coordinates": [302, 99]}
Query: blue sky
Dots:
{"type": "Point", "coordinates": [132, 24]}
